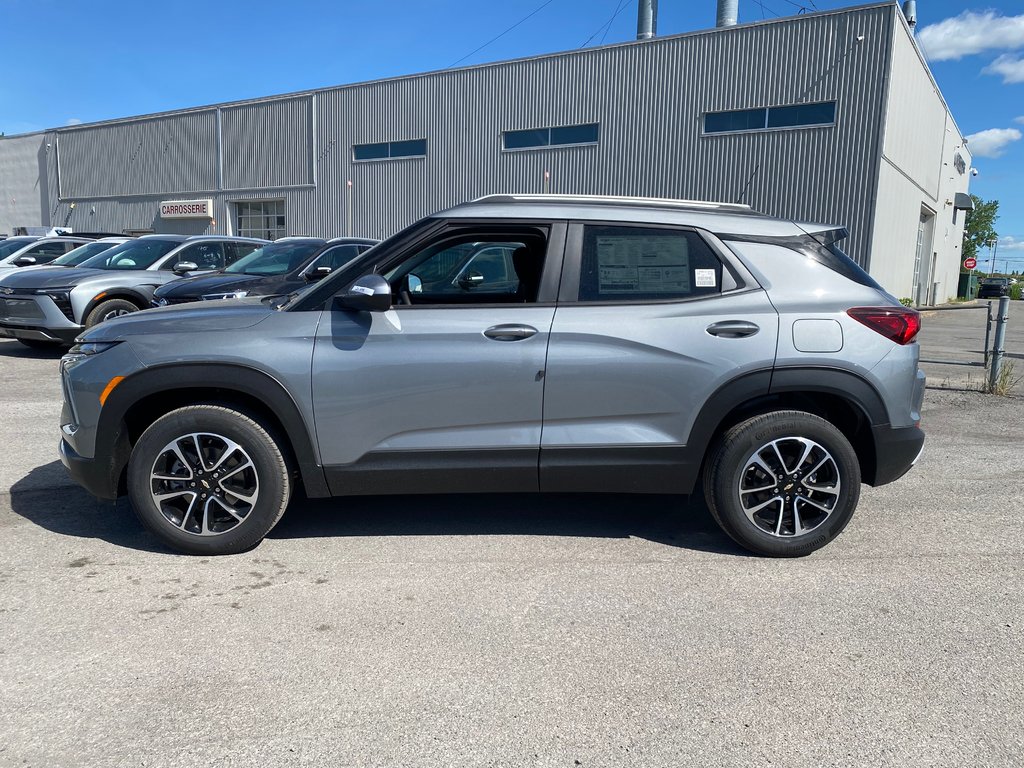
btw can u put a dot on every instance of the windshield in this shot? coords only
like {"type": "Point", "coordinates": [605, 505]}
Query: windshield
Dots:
{"type": "Point", "coordinates": [137, 254]}
{"type": "Point", "coordinates": [77, 256]}
{"type": "Point", "coordinates": [274, 259]}
{"type": "Point", "coordinates": [995, 281]}
{"type": "Point", "coordinates": [7, 247]}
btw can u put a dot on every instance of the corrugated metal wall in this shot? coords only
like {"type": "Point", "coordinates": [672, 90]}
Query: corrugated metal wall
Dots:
{"type": "Point", "coordinates": [648, 98]}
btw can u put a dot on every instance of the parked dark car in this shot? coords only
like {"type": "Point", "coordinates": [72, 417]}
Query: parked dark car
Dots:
{"type": "Point", "coordinates": [994, 287]}
{"type": "Point", "coordinates": [281, 267]}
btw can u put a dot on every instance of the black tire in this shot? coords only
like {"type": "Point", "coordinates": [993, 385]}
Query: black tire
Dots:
{"type": "Point", "coordinates": [736, 482]}
{"type": "Point", "coordinates": [105, 310]}
{"type": "Point", "coordinates": [198, 524]}
{"type": "Point", "coordinates": [41, 344]}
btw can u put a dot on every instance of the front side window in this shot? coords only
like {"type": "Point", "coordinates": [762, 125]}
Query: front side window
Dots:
{"type": "Point", "coordinates": [336, 257]}
{"type": "Point", "coordinates": [263, 219]}
{"type": "Point", "coordinates": [48, 250]}
{"type": "Point", "coordinates": [621, 263]}
{"type": "Point", "coordinates": [472, 269]}
{"type": "Point", "coordinates": [203, 255]}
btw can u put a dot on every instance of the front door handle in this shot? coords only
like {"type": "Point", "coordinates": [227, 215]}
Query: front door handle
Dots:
{"type": "Point", "coordinates": [510, 332]}
{"type": "Point", "coordinates": [733, 329]}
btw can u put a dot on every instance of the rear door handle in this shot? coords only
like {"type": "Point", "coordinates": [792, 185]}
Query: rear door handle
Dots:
{"type": "Point", "coordinates": [510, 332]}
{"type": "Point", "coordinates": [733, 329]}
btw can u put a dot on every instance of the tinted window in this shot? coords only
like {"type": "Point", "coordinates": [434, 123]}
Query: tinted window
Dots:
{"type": "Point", "coordinates": [336, 257]}
{"type": "Point", "coordinates": [275, 258]}
{"type": "Point", "coordinates": [547, 137]}
{"type": "Point", "coordinates": [203, 255]}
{"type": "Point", "coordinates": [7, 247]}
{"type": "Point", "coordinates": [137, 254]}
{"type": "Point", "coordinates": [390, 149]}
{"type": "Point", "coordinates": [575, 134]}
{"type": "Point", "coordinates": [734, 120]}
{"type": "Point", "coordinates": [638, 263]}
{"type": "Point", "coordinates": [234, 251]}
{"type": "Point", "coordinates": [823, 113]}
{"type": "Point", "coordinates": [51, 249]}
{"type": "Point", "coordinates": [80, 254]}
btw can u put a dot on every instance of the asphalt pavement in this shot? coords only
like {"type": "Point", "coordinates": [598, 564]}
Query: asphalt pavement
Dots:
{"type": "Point", "coordinates": [515, 630]}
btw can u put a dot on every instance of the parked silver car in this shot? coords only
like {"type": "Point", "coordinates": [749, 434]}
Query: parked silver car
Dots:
{"type": "Point", "coordinates": [30, 251]}
{"type": "Point", "coordinates": [48, 307]}
{"type": "Point", "coordinates": [648, 346]}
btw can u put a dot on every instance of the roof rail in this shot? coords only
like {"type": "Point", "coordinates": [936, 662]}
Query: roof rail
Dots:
{"type": "Point", "coordinates": [661, 202]}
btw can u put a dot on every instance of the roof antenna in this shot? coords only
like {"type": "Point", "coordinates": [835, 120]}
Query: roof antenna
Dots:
{"type": "Point", "coordinates": [747, 185]}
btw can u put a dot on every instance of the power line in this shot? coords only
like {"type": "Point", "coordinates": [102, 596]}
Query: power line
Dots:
{"type": "Point", "coordinates": [497, 37]}
{"type": "Point", "coordinates": [606, 26]}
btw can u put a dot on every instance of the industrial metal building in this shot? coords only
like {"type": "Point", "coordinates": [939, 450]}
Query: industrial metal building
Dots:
{"type": "Point", "coordinates": [830, 117]}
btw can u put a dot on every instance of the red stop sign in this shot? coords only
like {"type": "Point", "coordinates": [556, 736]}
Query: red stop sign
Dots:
{"type": "Point", "coordinates": [970, 263]}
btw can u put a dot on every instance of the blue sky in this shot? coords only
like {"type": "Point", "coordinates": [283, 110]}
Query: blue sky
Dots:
{"type": "Point", "coordinates": [68, 62]}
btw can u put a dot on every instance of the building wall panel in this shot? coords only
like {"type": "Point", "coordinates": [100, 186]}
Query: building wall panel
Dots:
{"type": "Point", "coordinates": [267, 144]}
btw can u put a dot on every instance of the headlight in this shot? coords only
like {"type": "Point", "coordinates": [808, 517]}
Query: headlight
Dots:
{"type": "Point", "coordinates": [57, 294]}
{"type": "Point", "coordinates": [87, 348]}
{"type": "Point", "coordinates": [231, 295]}
{"type": "Point", "coordinates": [160, 302]}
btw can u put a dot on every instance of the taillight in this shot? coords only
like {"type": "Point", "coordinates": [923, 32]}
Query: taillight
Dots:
{"type": "Point", "coordinates": [900, 324]}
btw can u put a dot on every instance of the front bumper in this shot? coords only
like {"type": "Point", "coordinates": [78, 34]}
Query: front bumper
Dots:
{"type": "Point", "coordinates": [36, 317]}
{"type": "Point", "coordinates": [897, 449]}
{"type": "Point", "coordinates": [99, 480]}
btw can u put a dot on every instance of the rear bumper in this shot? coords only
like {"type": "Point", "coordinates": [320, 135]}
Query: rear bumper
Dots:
{"type": "Point", "coordinates": [896, 451]}
{"type": "Point", "coordinates": [96, 478]}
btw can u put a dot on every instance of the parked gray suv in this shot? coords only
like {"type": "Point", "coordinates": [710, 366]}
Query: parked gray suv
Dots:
{"type": "Point", "coordinates": [649, 346]}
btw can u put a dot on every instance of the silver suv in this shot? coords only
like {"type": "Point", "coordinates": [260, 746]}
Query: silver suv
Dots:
{"type": "Point", "coordinates": [647, 346]}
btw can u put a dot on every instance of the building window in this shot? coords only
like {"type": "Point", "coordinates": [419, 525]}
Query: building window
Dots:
{"type": "Point", "coordinates": [389, 150]}
{"type": "Point", "coordinates": [562, 136]}
{"type": "Point", "coordinates": [262, 218]}
{"type": "Point", "coordinates": [768, 118]}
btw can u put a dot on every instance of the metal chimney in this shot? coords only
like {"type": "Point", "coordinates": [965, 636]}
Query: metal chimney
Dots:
{"type": "Point", "coordinates": [646, 19]}
{"type": "Point", "coordinates": [910, 11]}
{"type": "Point", "coordinates": [728, 13]}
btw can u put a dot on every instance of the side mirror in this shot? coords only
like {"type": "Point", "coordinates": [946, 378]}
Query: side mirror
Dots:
{"type": "Point", "coordinates": [370, 293]}
{"type": "Point", "coordinates": [318, 274]}
{"type": "Point", "coordinates": [469, 279]}
{"type": "Point", "coordinates": [185, 266]}
{"type": "Point", "coordinates": [25, 261]}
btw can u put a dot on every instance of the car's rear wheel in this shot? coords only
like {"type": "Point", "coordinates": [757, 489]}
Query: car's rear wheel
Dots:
{"type": "Point", "coordinates": [108, 310]}
{"type": "Point", "coordinates": [208, 480]}
{"type": "Point", "coordinates": [783, 484]}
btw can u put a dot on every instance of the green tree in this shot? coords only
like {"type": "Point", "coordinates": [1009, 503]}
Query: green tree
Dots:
{"type": "Point", "coordinates": [979, 226]}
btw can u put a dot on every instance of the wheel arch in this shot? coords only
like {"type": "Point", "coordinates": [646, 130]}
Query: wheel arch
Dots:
{"type": "Point", "coordinates": [145, 396]}
{"type": "Point", "coordinates": [847, 401]}
{"type": "Point", "coordinates": [127, 294]}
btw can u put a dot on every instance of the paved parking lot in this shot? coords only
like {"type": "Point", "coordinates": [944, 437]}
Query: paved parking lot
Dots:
{"type": "Point", "coordinates": [508, 631]}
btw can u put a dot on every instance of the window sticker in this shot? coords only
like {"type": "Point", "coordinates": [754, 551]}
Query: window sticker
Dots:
{"type": "Point", "coordinates": [705, 278]}
{"type": "Point", "coordinates": [648, 264]}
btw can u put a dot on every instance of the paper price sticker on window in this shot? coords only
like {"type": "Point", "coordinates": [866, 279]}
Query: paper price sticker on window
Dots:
{"type": "Point", "coordinates": [704, 278]}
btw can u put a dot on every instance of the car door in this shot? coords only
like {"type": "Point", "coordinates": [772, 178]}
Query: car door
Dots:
{"type": "Point", "coordinates": [443, 392]}
{"type": "Point", "coordinates": [651, 322]}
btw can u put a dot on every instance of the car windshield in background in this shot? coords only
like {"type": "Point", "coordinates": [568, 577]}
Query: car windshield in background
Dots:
{"type": "Point", "coordinates": [274, 259]}
{"type": "Point", "coordinates": [138, 254]}
{"type": "Point", "coordinates": [7, 247]}
{"type": "Point", "coordinates": [995, 281]}
{"type": "Point", "coordinates": [77, 256]}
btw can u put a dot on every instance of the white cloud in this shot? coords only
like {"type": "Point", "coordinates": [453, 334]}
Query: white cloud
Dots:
{"type": "Point", "coordinates": [1009, 66]}
{"type": "Point", "coordinates": [993, 142]}
{"type": "Point", "coordinates": [971, 32]}
{"type": "Point", "coordinates": [1019, 119]}
{"type": "Point", "coordinates": [73, 121]}
{"type": "Point", "coordinates": [1009, 243]}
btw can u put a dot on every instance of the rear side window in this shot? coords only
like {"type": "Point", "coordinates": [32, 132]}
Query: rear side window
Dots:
{"type": "Point", "coordinates": [646, 264]}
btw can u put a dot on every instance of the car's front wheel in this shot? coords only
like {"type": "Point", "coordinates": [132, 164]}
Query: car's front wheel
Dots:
{"type": "Point", "coordinates": [783, 484]}
{"type": "Point", "coordinates": [208, 480]}
{"type": "Point", "coordinates": [108, 310]}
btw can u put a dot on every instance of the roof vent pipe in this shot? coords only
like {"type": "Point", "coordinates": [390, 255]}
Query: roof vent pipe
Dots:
{"type": "Point", "coordinates": [646, 19]}
{"type": "Point", "coordinates": [910, 11]}
{"type": "Point", "coordinates": [728, 13]}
